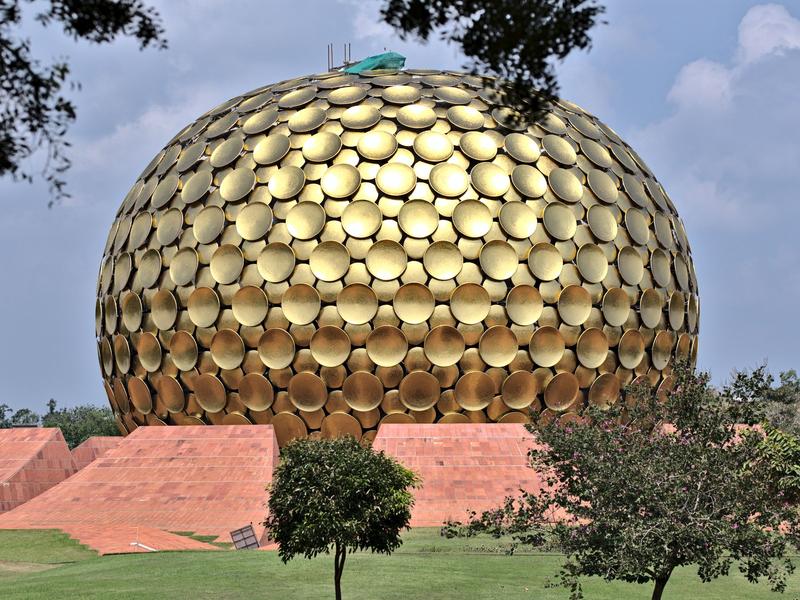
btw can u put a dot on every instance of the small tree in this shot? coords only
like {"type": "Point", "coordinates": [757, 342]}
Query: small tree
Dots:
{"type": "Point", "coordinates": [80, 422]}
{"type": "Point", "coordinates": [336, 494]}
{"type": "Point", "coordinates": [665, 483]}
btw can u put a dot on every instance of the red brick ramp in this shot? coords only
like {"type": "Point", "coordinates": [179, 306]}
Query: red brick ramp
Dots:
{"type": "Point", "coordinates": [207, 480]}
{"type": "Point", "coordinates": [32, 460]}
{"type": "Point", "coordinates": [463, 466]}
{"type": "Point", "coordinates": [93, 448]}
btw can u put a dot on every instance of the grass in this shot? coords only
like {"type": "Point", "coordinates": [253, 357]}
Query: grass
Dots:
{"type": "Point", "coordinates": [44, 564]}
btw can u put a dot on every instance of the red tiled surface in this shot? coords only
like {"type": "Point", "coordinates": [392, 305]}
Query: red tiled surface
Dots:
{"type": "Point", "coordinates": [32, 460]}
{"type": "Point", "coordinates": [463, 466]}
{"type": "Point", "coordinates": [208, 480]}
{"type": "Point", "coordinates": [92, 448]}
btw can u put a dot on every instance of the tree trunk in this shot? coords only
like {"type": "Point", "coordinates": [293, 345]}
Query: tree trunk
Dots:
{"type": "Point", "coordinates": [661, 583]}
{"type": "Point", "coordinates": [338, 567]}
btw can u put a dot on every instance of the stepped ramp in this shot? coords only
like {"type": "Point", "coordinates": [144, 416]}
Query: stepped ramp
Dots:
{"type": "Point", "coordinates": [92, 448]}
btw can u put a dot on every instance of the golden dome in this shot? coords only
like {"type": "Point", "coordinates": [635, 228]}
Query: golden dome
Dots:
{"type": "Point", "coordinates": [336, 251]}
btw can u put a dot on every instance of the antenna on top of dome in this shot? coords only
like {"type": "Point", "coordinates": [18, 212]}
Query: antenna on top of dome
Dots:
{"type": "Point", "coordinates": [347, 57]}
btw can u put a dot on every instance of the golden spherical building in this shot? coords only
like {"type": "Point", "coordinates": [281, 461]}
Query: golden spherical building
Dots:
{"type": "Point", "coordinates": [338, 251]}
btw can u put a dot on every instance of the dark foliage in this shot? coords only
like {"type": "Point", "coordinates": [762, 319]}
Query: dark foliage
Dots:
{"type": "Point", "coordinates": [34, 110]}
{"type": "Point", "coordinates": [637, 491]}
{"type": "Point", "coordinates": [516, 40]}
{"type": "Point", "coordinates": [81, 422]}
{"type": "Point", "coordinates": [337, 495]}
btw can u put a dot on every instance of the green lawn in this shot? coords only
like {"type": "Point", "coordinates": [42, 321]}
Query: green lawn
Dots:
{"type": "Point", "coordinates": [45, 564]}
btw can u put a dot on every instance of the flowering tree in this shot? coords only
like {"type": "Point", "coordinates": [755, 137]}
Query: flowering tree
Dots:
{"type": "Point", "coordinates": [658, 484]}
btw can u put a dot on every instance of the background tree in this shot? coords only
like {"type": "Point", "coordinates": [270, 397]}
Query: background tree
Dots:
{"type": "Point", "coordinates": [337, 495]}
{"type": "Point", "coordinates": [783, 408]}
{"type": "Point", "coordinates": [34, 110]}
{"type": "Point", "coordinates": [79, 423]}
{"type": "Point", "coordinates": [663, 484]}
{"type": "Point", "coordinates": [516, 40]}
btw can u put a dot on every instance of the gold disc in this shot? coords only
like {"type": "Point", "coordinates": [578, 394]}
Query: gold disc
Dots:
{"type": "Point", "coordinates": [210, 393]}
{"type": "Point", "coordinates": [651, 306]}
{"type": "Point", "coordinates": [387, 346]}
{"type": "Point", "coordinates": [416, 116]}
{"type": "Point", "coordinates": [330, 346]}
{"type": "Point", "coordinates": [237, 184]}
{"type": "Point", "coordinates": [470, 303]}
{"type": "Point", "coordinates": [448, 180]}
{"type": "Point", "coordinates": [472, 218]}
{"type": "Point", "coordinates": [339, 425]}
{"type": "Point", "coordinates": [474, 390]}
{"type": "Point", "coordinates": [547, 346]}
{"type": "Point", "coordinates": [478, 146]}
{"type": "Point", "coordinates": [203, 307]}
{"type": "Point", "coordinates": [444, 345]}
{"type": "Point", "coordinates": [592, 348]}
{"type": "Point", "coordinates": [489, 180]}
{"type": "Point", "coordinates": [362, 391]}
{"type": "Point", "coordinates": [276, 348]}
{"type": "Point", "coordinates": [529, 181]}
{"type": "Point", "coordinates": [329, 261]}
{"type": "Point", "coordinates": [465, 117]}
{"type": "Point", "coordinates": [559, 221]}
{"type": "Point", "coordinates": [559, 149]}
{"type": "Point", "coordinates": [662, 349]}
{"type": "Point", "coordinates": [592, 263]}
{"type": "Point", "coordinates": [340, 181]}
{"type": "Point", "coordinates": [307, 392]}
{"type": "Point", "coordinates": [443, 260]}
{"type": "Point", "coordinates": [524, 304]}
{"type": "Point", "coordinates": [307, 119]}
{"type": "Point", "coordinates": [561, 392]}
{"type": "Point", "coordinates": [517, 219]}
{"type": "Point", "coordinates": [260, 121]}
{"type": "Point", "coordinates": [183, 350]}
{"type": "Point", "coordinates": [226, 152]}
{"type": "Point", "coordinates": [630, 265]}
{"type": "Point", "coordinates": [362, 218]}
{"type": "Point", "coordinates": [545, 261]}
{"type": "Point", "coordinates": [163, 309]}
{"type": "Point", "coordinates": [196, 187]}
{"type": "Point", "coordinates": [357, 303]}
{"type": "Point", "coordinates": [254, 221]}
{"type": "Point", "coordinates": [616, 307]}
{"type": "Point", "coordinates": [432, 146]}
{"type": "Point", "coordinates": [522, 148]}
{"type": "Point", "coordinates": [183, 266]}
{"type": "Point", "coordinates": [417, 218]}
{"type": "Point", "coordinates": [286, 182]}
{"type": "Point", "coordinates": [288, 427]}
{"type": "Point", "coordinates": [498, 259]}
{"type": "Point", "coordinates": [574, 304]}
{"type": "Point", "coordinates": [498, 346]}
{"type": "Point", "coordinates": [227, 349]}
{"type": "Point", "coordinates": [377, 145]}
{"type": "Point", "coordinates": [305, 220]}
{"type": "Point", "coordinates": [631, 349]}
{"type": "Point", "coordinates": [401, 94]}
{"type": "Point", "coordinates": [170, 393]}
{"type": "Point", "coordinates": [360, 117]}
{"type": "Point", "coordinates": [419, 391]}
{"type": "Point", "coordinates": [605, 390]}
{"type": "Point", "coordinates": [271, 149]}
{"type": "Point", "coordinates": [413, 303]}
{"type": "Point", "coordinates": [250, 305]}
{"type": "Point", "coordinates": [519, 389]}
{"type": "Point", "coordinates": [300, 304]}
{"type": "Point", "coordinates": [602, 223]}
{"type": "Point", "coordinates": [322, 146]}
{"type": "Point", "coordinates": [226, 264]}
{"type": "Point", "coordinates": [386, 260]}
{"type": "Point", "coordinates": [276, 262]}
{"type": "Point", "coordinates": [140, 395]}
{"type": "Point", "coordinates": [149, 351]}
{"type": "Point", "coordinates": [256, 392]}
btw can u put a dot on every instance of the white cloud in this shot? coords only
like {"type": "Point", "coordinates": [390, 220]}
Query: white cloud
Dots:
{"type": "Point", "coordinates": [702, 84]}
{"type": "Point", "coordinates": [767, 29]}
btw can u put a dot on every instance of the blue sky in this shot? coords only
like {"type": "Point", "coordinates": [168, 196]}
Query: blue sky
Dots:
{"type": "Point", "coordinates": [707, 92]}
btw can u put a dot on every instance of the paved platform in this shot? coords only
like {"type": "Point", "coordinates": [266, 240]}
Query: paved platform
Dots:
{"type": "Point", "coordinates": [93, 448]}
{"type": "Point", "coordinates": [463, 466]}
{"type": "Point", "coordinates": [32, 460]}
{"type": "Point", "coordinates": [207, 480]}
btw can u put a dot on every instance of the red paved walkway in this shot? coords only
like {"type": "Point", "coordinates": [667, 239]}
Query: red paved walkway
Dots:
{"type": "Point", "coordinates": [32, 460]}
{"type": "Point", "coordinates": [93, 448]}
{"type": "Point", "coordinates": [463, 467]}
{"type": "Point", "coordinates": [207, 480]}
